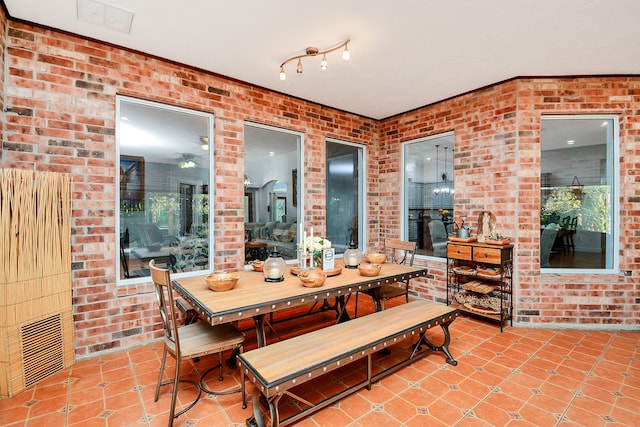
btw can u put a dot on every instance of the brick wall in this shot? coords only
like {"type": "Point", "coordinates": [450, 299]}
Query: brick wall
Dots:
{"type": "Point", "coordinates": [60, 116]}
{"type": "Point", "coordinates": [497, 168]}
{"type": "Point", "coordinates": [59, 97]}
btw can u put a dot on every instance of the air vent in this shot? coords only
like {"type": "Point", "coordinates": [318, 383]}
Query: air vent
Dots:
{"type": "Point", "coordinates": [42, 349]}
{"type": "Point", "coordinates": [105, 15]}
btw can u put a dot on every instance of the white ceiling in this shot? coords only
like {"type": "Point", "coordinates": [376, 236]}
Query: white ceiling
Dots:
{"type": "Point", "coordinates": [404, 53]}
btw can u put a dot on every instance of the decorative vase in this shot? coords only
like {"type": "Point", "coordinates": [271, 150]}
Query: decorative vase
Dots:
{"type": "Point", "coordinates": [317, 259]}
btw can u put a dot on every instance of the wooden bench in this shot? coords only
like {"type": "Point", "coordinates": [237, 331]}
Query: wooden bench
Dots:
{"type": "Point", "coordinates": [277, 368]}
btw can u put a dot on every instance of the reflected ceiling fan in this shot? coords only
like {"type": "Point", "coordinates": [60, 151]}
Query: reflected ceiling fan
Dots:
{"type": "Point", "coordinates": [187, 161]}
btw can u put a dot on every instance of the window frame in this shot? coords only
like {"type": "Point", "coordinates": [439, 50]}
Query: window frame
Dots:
{"type": "Point", "coordinates": [404, 217]}
{"type": "Point", "coordinates": [613, 156]}
{"type": "Point", "coordinates": [300, 177]}
{"type": "Point", "coordinates": [211, 186]}
{"type": "Point", "coordinates": [363, 234]}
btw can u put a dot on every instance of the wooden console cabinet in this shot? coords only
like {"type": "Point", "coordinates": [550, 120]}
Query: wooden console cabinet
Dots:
{"type": "Point", "coordinates": [480, 280]}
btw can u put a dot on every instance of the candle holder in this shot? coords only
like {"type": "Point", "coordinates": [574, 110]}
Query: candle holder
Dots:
{"type": "Point", "coordinates": [303, 258]}
{"type": "Point", "coordinates": [274, 267]}
{"type": "Point", "coordinates": [352, 256]}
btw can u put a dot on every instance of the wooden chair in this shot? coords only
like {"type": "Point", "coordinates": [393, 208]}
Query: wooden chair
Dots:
{"type": "Point", "coordinates": [398, 252]}
{"type": "Point", "coordinates": [189, 341]}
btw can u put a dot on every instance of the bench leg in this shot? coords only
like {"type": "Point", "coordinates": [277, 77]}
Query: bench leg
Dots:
{"type": "Point", "coordinates": [434, 348]}
{"type": "Point", "coordinates": [271, 405]}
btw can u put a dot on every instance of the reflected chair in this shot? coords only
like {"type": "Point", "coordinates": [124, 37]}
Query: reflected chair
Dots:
{"type": "Point", "coordinates": [569, 227]}
{"type": "Point", "coordinates": [398, 252]}
{"type": "Point", "coordinates": [439, 238]}
{"type": "Point", "coordinates": [189, 341]}
{"type": "Point", "coordinates": [547, 239]}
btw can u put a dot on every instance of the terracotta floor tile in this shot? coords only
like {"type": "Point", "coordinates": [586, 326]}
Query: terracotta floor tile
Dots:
{"type": "Point", "coordinates": [526, 380]}
{"type": "Point", "coordinates": [445, 411]}
{"type": "Point", "coordinates": [471, 421]}
{"type": "Point", "coordinates": [93, 422]}
{"type": "Point", "coordinates": [588, 390]}
{"type": "Point", "coordinates": [460, 399]}
{"type": "Point", "coordinates": [332, 416]}
{"type": "Point", "coordinates": [559, 393]}
{"type": "Point", "coordinates": [516, 390]}
{"type": "Point", "coordinates": [626, 417]}
{"type": "Point", "coordinates": [79, 414]}
{"type": "Point", "coordinates": [630, 392]}
{"type": "Point", "coordinates": [86, 382]}
{"type": "Point", "coordinates": [79, 396]}
{"type": "Point", "coordinates": [604, 383]}
{"type": "Point", "coordinates": [434, 386]}
{"type": "Point", "coordinates": [49, 391]}
{"type": "Point", "coordinates": [395, 384]}
{"type": "Point", "coordinates": [537, 416]}
{"type": "Point", "coordinates": [505, 401]}
{"type": "Point", "coordinates": [521, 377]}
{"type": "Point", "coordinates": [377, 394]}
{"type": "Point", "coordinates": [566, 382]}
{"type": "Point", "coordinates": [51, 419]}
{"type": "Point", "coordinates": [487, 378]}
{"type": "Point", "coordinates": [548, 403]}
{"type": "Point", "coordinates": [17, 400]}
{"type": "Point", "coordinates": [122, 400]}
{"type": "Point", "coordinates": [585, 417]}
{"type": "Point", "coordinates": [356, 406]}
{"type": "Point", "coordinates": [47, 406]}
{"type": "Point", "coordinates": [119, 385]}
{"type": "Point", "coordinates": [448, 375]}
{"type": "Point", "coordinates": [400, 409]}
{"type": "Point", "coordinates": [14, 414]}
{"type": "Point", "coordinates": [474, 388]}
{"type": "Point", "coordinates": [375, 418]}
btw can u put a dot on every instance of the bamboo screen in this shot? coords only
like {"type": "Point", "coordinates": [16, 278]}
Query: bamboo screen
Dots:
{"type": "Point", "coordinates": [36, 324]}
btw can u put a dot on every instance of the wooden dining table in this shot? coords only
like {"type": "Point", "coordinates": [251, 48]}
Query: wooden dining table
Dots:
{"type": "Point", "coordinates": [254, 298]}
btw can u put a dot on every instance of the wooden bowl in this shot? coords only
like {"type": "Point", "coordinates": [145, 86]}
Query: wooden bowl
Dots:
{"type": "Point", "coordinates": [312, 279]}
{"type": "Point", "coordinates": [221, 281]}
{"type": "Point", "coordinates": [369, 269]}
{"type": "Point", "coordinates": [257, 265]}
{"type": "Point", "coordinates": [375, 258]}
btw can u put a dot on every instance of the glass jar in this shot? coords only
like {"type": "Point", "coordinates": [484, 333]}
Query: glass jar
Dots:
{"type": "Point", "coordinates": [352, 256]}
{"type": "Point", "coordinates": [274, 267]}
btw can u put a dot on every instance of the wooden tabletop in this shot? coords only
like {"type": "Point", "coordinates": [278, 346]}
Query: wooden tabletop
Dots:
{"type": "Point", "coordinates": [252, 296]}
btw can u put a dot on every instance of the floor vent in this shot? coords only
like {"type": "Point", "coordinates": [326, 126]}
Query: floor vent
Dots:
{"type": "Point", "coordinates": [42, 349]}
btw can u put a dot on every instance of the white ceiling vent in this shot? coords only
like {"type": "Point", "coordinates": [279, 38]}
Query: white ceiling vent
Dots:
{"type": "Point", "coordinates": [106, 15]}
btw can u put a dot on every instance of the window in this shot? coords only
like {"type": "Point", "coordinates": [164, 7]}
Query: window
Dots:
{"type": "Point", "coordinates": [345, 194]}
{"type": "Point", "coordinates": [272, 188]}
{"type": "Point", "coordinates": [164, 177]}
{"type": "Point", "coordinates": [428, 193]}
{"type": "Point", "coordinates": [578, 193]}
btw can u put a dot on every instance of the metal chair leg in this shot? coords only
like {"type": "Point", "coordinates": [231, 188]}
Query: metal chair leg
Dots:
{"type": "Point", "coordinates": [174, 395]}
{"type": "Point", "coordinates": [164, 359]}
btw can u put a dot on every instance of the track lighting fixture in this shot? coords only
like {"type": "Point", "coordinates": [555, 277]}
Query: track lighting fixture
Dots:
{"type": "Point", "coordinates": [314, 51]}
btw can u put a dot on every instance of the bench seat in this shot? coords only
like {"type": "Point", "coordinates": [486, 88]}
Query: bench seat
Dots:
{"type": "Point", "coordinates": [278, 367]}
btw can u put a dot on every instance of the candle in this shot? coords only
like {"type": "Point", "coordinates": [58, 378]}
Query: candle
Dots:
{"type": "Point", "coordinates": [274, 273]}
{"type": "Point", "coordinates": [352, 260]}
{"type": "Point", "coordinates": [304, 250]}
{"type": "Point", "coordinates": [311, 248]}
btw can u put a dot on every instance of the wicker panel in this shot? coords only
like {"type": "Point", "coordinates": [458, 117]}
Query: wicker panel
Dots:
{"type": "Point", "coordinates": [36, 324]}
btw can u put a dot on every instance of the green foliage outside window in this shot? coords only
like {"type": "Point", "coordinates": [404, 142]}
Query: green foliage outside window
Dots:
{"type": "Point", "coordinates": [590, 205]}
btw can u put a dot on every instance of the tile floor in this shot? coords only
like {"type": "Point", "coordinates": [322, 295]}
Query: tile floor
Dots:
{"type": "Point", "coordinates": [521, 377]}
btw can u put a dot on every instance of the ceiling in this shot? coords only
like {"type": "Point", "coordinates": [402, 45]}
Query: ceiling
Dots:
{"type": "Point", "coordinates": [404, 54]}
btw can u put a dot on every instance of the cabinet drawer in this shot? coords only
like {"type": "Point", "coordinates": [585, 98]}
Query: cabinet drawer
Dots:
{"type": "Point", "coordinates": [487, 255]}
{"type": "Point", "coordinates": [459, 252]}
